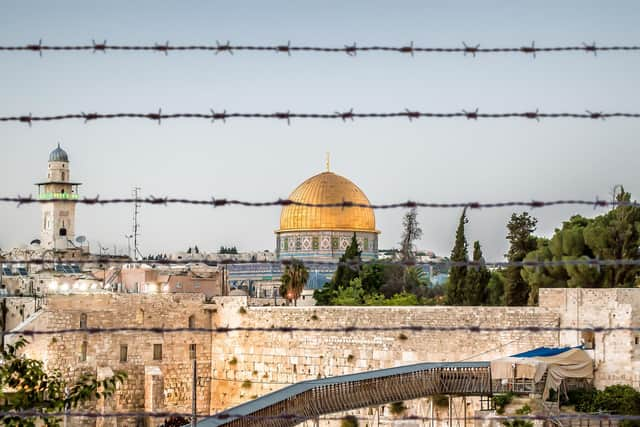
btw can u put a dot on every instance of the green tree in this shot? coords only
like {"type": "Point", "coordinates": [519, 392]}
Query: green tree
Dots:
{"type": "Point", "coordinates": [26, 386]}
{"type": "Point", "coordinates": [350, 295]}
{"type": "Point", "coordinates": [522, 241]}
{"type": "Point", "coordinates": [495, 288]}
{"type": "Point", "coordinates": [477, 279]}
{"type": "Point", "coordinates": [613, 235]}
{"type": "Point", "coordinates": [411, 233]}
{"type": "Point", "coordinates": [348, 269]}
{"type": "Point", "coordinates": [294, 278]}
{"type": "Point", "coordinates": [458, 274]}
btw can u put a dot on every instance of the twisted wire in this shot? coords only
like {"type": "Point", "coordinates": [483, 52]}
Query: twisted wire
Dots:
{"type": "Point", "coordinates": [220, 202]}
{"type": "Point", "coordinates": [344, 116]}
{"type": "Point", "coordinates": [302, 417]}
{"type": "Point", "coordinates": [444, 263]}
{"type": "Point", "coordinates": [350, 49]}
{"type": "Point", "coordinates": [338, 329]}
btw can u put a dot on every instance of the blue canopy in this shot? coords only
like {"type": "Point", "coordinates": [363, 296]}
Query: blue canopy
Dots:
{"type": "Point", "coordinates": [544, 351]}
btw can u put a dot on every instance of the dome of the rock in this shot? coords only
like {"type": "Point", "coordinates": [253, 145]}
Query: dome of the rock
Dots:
{"type": "Point", "coordinates": [323, 233]}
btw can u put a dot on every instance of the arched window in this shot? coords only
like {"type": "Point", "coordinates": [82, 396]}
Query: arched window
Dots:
{"type": "Point", "coordinates": [192, 321]}
{"type": "Point", "coordinates": [63, 177]}
{"type": "Point", "coordinates": [83, 321]}
{"type": "Point", "coordinates": [140, 316]}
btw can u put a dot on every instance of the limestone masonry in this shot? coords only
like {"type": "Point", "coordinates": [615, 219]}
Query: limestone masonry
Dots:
{"type": "Point", "coordinates": [237, 366]}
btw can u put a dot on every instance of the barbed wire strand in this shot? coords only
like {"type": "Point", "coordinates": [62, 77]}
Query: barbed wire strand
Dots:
{"type": "Point", "coordinates": [351, 49]}
{"type": "Point", "coordinates": [302, 417]}
{"type": "Point", "coordinates": [339, 329]}
{"type": "Point", "coordinates": [590, 262]}
{"type": "Point", "coordinates": [220, 202]}
{"type": "Point", "coordinates": [349, 115]}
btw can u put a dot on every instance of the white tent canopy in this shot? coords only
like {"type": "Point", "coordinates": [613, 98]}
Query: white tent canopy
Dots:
{"type": "Point", "coordinates": [557, 363]}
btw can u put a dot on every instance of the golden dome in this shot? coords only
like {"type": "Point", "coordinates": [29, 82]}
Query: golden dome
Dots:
{"type": "Point", "coordinates": [327, 188]}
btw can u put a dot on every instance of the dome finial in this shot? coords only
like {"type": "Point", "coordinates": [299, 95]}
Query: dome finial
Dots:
{"type": "Point", "coordinates": [328, 162]}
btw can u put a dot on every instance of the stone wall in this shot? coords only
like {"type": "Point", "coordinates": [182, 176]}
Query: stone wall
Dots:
{"type": "Point", "coordinates": [236, 366]}
{"type": "Point", "coordinates": [174, 371]}
{"type": "Point", "coordinates": [248, 364]}
{"type": "Point", "coordinates": [616, 352]}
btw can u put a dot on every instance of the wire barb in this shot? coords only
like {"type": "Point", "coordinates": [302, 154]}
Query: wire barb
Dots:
{"type": "Point", "coordinates": [224, 47]}
{"type": "Point", "coordinates": [351, 50]}
{"type": "Point", "coordinates": [470, 49]}
{"type": "Point", "coordinates": [285, 48]}
{"type": "Point", "coordinates": [471, 114]}
{"type": "Point", "coordinates": [530, 49]}
{"type": "Point", "coordinates": [99, 46]}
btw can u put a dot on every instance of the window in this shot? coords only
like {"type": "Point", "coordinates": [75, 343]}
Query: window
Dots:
{"type": "Point", "coordinates": [192, 351]}
{"type": "Point", "coordinates": [83, 321]}
{"type": "Point", "coordinates": [124, 349]}
{"type": "Point", "coordinates": [139, 313]}
{"type": "Point", "coordinates": [298, 244]}
{"type": "Point", "coordinates": [366, 244]}
{"type": "Point", "coordinates": [178, 285]}
{"type": "Point", "coordinates": [315, 243]}
{"type": "Point", "coordinates": [334, 243]}
{"type": "Point", "coordinates": [157, 352]}
{"type": "Point", "coordinates": [83, 351]}
{"type": "Point", "coordinates": [637, 340]}
{"type": "Point", "coordinates": [192, 321]}
{"type": "Point", "coordinates": [63, 231]}
{"type": "Point", "coordinates": [63, 179]}
{"type": "Point", "coordinates": [588, 340]}
{"type": "Point", "coordinates": [286, 244]}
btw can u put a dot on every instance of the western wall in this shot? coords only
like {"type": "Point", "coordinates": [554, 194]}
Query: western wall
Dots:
{"type": "Point", "coordinates": [236, 366]}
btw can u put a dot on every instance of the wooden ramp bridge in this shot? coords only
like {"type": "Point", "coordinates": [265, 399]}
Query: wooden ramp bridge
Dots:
{"type": "Point", "coordinates": [308, 400]}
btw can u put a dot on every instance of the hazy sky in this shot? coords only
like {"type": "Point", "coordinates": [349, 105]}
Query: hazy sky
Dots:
{"type": "Point", "coordinates": [391, 160]}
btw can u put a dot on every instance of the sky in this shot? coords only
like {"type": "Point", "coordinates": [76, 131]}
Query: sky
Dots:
{"type": "Point", "coordinates": [392, 160]}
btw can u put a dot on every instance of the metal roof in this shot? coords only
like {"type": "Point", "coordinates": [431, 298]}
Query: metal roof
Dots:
{"type": "Point", "coordinates": [271, 399]}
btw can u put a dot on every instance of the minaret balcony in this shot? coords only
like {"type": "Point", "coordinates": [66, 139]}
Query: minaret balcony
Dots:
{"type": "Point", "coordinates": [58, 196]}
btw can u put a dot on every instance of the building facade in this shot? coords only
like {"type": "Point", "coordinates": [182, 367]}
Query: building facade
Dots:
{"type": "Point", "coordinates": [57, 228]}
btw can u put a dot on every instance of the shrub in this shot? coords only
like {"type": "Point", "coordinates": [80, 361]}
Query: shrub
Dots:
{"type": "Point", "coordinates": [349, 421]}
{"type": "Point", "coordinates": [242, 310]}
{"type": "Point", "coordinates": [502, 400]}
{"type": "Point", "coordinates": [246, 384]}
{"type": "Point", "coordinates": [397, 408]}
{"type": "Point", "coordinates": [403, 337]}
{"type": "Point", "coordinates": [350, 358]}
{"type": "Point", "coordinates": [518, 423]}
{"type": "Point", "coordinates": [525, 410]}
{"type": "Point", "coordinates": [175, 422]}
{"type": "Point", "coordinates": [233, 361]}
{"type": "Point", "coordinates": [440, 400]}
{"type": "Point", "coordinates": [314, 317]}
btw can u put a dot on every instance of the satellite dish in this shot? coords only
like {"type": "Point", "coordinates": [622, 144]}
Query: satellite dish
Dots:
{"type": "Point", "coordinates": [35, 242]}
{"type": "Point", "coordinates": [81, 239]}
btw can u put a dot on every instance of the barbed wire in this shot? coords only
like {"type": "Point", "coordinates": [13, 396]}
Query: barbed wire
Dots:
{"type": "Point", "coordinates": [350, 49]}
{"type": "Point", "coordinates": [344, 116]}
{"type": "Point", "coordinates": [338, 329]}
{"type": "Point", "coordinates": [220, 202]}
{"type": "Point", "coordinates": [302, 417]}
{"type": "Point", "coordinates": [590, 262]}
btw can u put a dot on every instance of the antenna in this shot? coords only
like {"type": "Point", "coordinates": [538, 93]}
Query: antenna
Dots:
{"type": "Point", "coordinates": [136, 225]}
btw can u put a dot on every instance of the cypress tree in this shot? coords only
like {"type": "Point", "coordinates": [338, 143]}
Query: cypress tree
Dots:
{"type": "Point", "coordinates": [522, 240]}
{"type": "Point", "coordinates": [349, 269]}
{"type": "Point", "coordinates": [458, 274]}
{"type": "Point", "coordinates": [475, 290]}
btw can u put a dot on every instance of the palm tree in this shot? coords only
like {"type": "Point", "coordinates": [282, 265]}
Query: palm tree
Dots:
{"type": "Point", "coordinates": [294, 279]}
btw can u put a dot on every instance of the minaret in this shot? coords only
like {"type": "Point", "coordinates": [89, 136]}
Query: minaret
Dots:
{"type": "Point", "coordinates": [58, 214]}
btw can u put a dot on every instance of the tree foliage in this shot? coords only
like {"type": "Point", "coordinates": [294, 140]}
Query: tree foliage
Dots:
{"type": "Point", "coordinates": [521, 242]}
{"type": "Point", "coordinates": [26, 386]}
{"type": "Point", "coordinates": [475, 290]}
{"type": "Point", "coordinates": [458, 274]}
{"type": "Point", "coordinates": [294, 278]}
{"type": "Point", "coordinates": [348, 269]}
{"type": "Point", "coordinates": [411, 233]}
{"type": "Point", "coordinates": [615, 399]}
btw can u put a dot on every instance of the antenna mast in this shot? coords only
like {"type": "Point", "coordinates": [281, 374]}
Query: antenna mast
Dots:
{"type": "Point", "coordinates": [136, 224]}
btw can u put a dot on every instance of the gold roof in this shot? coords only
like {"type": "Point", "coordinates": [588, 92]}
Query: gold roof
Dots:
{"type": "Point", "coordinates": [327, 188]}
